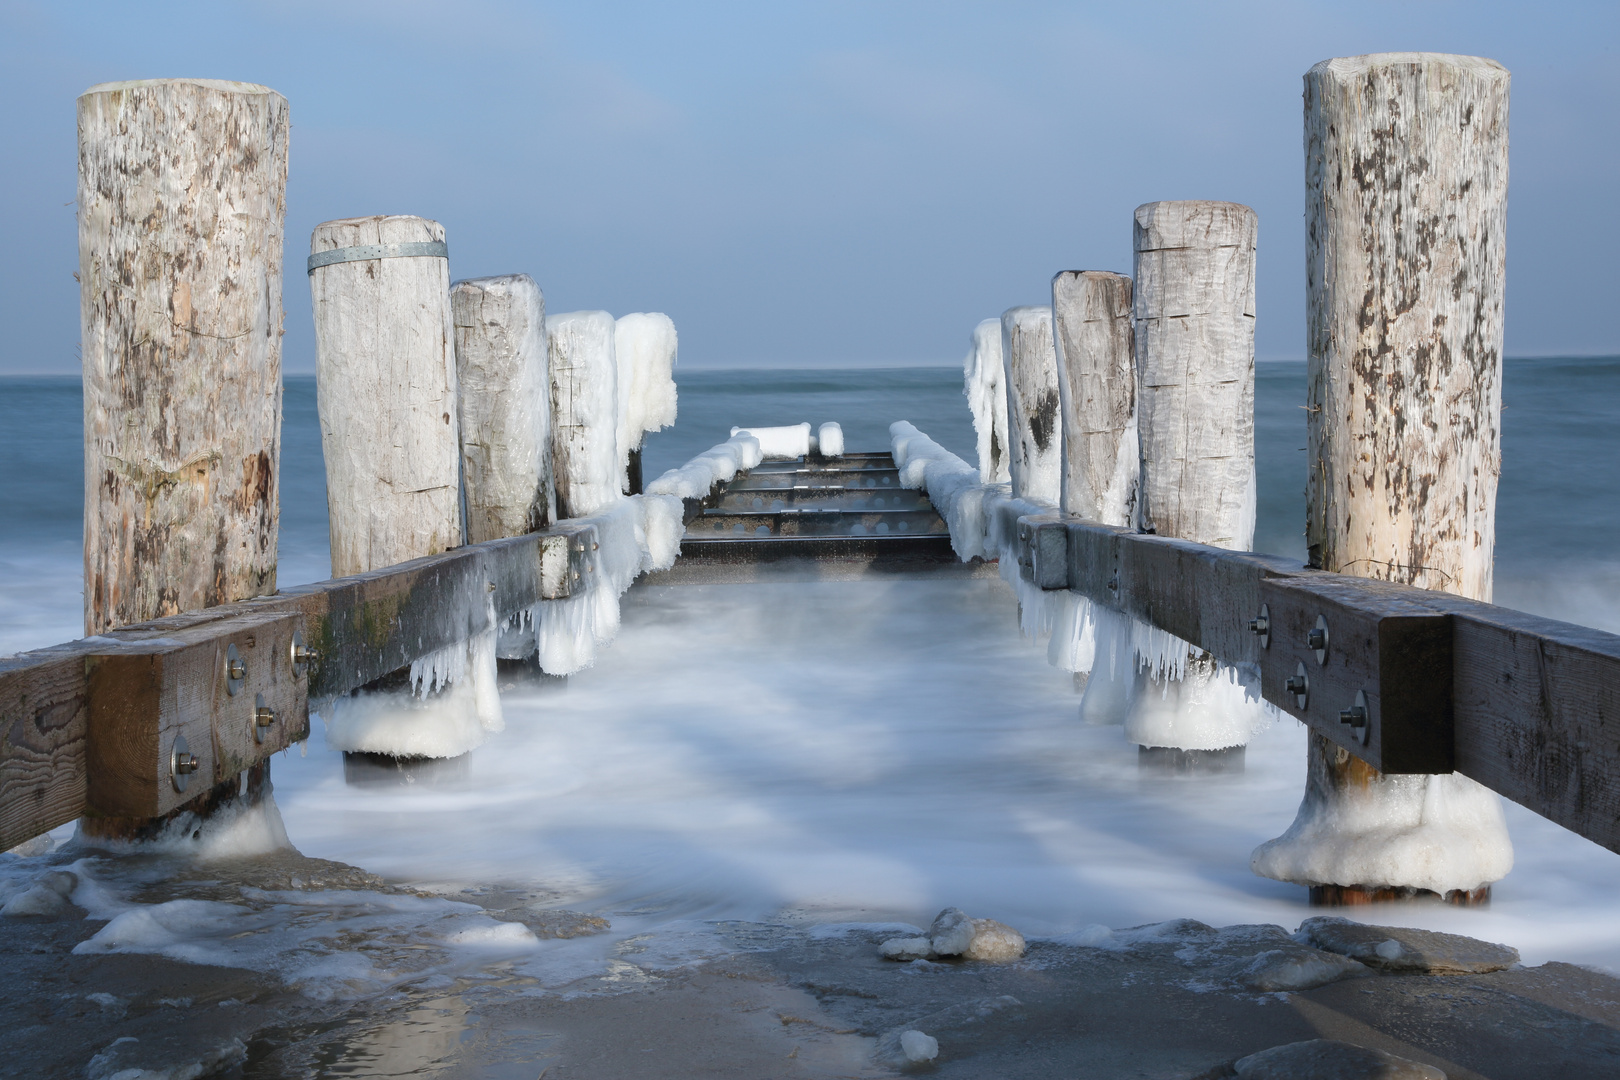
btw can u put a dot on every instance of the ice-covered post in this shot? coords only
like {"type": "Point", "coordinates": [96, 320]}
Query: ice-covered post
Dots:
{"type": "Point", "coordinates": [386, 389]}
{"type": "Point", "coordinates": [182, 201]}
{"type": "Point", "coordinates": [644, 346]}
{"type": "Point", "coordinates": [984, 381]}
{"type": "Point", "coordinates": [1406, 168]}
{"type": "Point", "coordinates": [504, 392]}
{"type": "Point", "coordinates": [1194, 326]}
{"type": "Point", "coordinates": [584, 411]}
{"type": "Point", "coordinates": [1035, 440]}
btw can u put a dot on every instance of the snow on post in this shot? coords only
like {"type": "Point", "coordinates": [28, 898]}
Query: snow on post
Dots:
{"type": "Point", "coordinates": [984, 383]}
{"type": "Point", "coordinates": [644, 346]}
{"type": "Point", "coordinates": [1194, 342]}
{"type": "Point", "coordinates": [182, 202]}
{"type": "Point", "coordinates": [1096, 376]}
{"type": "Point", "coordinates": [387, 392]}
{"type": "Point", "coordinates": [585, 459]}
{"type": "Point", "coordinates": [505, 405]}
{"type": "Point", "coordinates": [1035, 439]}
{"type": "Point", "coordinates": [1406, 168]}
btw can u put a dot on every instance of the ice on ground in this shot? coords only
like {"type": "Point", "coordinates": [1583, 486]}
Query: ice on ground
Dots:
{"type": "Point", "coordinates": [786, 442]}
{"type": "Point", "coordinates": [719, 464]}
{"type": "Point", "coordinates": [585, 456]}
{"type": "Point", "coordinates": [830, 440]}
{"type": "Point", "coordinates": [1429, 832]}
{"type": "Point", "coordinates": [1205, 705]}
{"type": "Point", "coordinates": [644, 346]}
{"type": "Point", "coordinates": [919, 1047]}
{"type": "Point", "coordinates": [983, 382]}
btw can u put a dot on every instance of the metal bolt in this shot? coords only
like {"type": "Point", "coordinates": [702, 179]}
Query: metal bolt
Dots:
{"type": "Point", "coordinates": [263, 717]}
{"type": "Point", "coordinates": [1355, 716]}
{"type": "Point", "coordinates": [1358, 718]}
{"type": "Point", "coordinates": [182, 763]}
{"type": "Point", "coordinates": [300, 655]}
{"type": "Point", "coordinates": [1260, 626]}
{"type": "Point", "coordinates": [1317, 639]}
{"type": "Point", "coordinates": [185, 763]}
{"type": "Point", "coordinates": [1297, 684]}
{"type": "Point", "coordinates": [235, 670]}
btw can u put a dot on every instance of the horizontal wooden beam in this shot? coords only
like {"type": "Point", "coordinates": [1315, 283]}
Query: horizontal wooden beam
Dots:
{"type": "Point", "coordinates": [90, 727]}
{"type": "Point", "coordinates": [1527, 706]}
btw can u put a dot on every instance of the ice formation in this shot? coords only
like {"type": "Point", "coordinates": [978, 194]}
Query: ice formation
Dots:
{"type": "Point", "coordinates": [644, 347]}
{"type": "Point", "coordinates": [697, 478]}
{"type": "Point", "coordinates": [1034, 428]}
{"type": "Point", "coordinates": [830, 438]}
{"type": "Point", "coordinates": [791, 441]}
{"type": "Point", "coordinates": [585, 456]}
{"type": "Point", "coordinates": [983, 383]}
{"type": "Point", "coordinates": [919, 1047]}
{"type": "Point", "coordinates": [1441, 832]}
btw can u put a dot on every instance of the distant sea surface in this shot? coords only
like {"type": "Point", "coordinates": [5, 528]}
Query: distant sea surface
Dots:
{"type": "Point", "coordinates": [1558, 510]}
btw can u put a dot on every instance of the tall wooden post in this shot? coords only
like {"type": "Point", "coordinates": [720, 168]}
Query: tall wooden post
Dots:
{"type": "Point", "coordinates": [1406, 167]}
{"type": "Point", "coordinates": [1034, 435]}
{"type": "Point", "coordinates": [1096, 377]}
{"type": "Point", "coordinates": [386, 389]}
{"type": "Point", "coordinates": [585, 411]}
{"type": "Point", "coordinates": [644, 346]}
{"type": "Point", "coordinates": [984, 381]}
{"type": "Point", "coordinates": [504, 394]}
{"type": "Point", "coordinates": [182, 200]}
{"type": "Point", "coordinates": [1194, 326]}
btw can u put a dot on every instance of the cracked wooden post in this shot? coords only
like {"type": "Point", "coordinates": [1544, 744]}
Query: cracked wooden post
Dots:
{"type": "Point", "coordinates": [504, 396]}
{"type": "Point", "coordinates": [182, 198]}
{"type": "Point", "coordinates": [1406, 168]}
{"type": "Point", "coordinates": [1096, 375]}
{"type": "Point", "coordinates": [181, 208]}
{"type": "Point", "coordinates": [1194, 323]}
{"type": "Point", "coordinates": [1035, 440]}
{"type": "Point", "coordinates": [386, 389]}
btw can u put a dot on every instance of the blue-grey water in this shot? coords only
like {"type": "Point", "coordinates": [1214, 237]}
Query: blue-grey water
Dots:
{"type": "Point", "coordinates": [1558, 510]}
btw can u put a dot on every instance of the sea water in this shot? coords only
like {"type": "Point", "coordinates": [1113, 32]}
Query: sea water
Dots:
{"type": "Point", "coordinates": [867, 751]}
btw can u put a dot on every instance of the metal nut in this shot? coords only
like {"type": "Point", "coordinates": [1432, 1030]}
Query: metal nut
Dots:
{"type": "Point", "coordinates": [1260, 626]}
{"type": "Point", "coordinates": [235, 670]}
{"type": "Point", "coordinates": [1359, 719]}
{"type": "Point", "coordinates": [182, 763]}
{"type": "Point", "coordinates": [300, 655]}
{"type": "Point", "coordinates": [1299, 684]}
{"type": "Point", "coordinates": [264, 717]}
{"type": "Point", "coordinates": [1317, 640]}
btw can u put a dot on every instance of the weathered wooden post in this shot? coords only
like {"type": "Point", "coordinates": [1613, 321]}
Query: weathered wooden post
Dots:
{"type": "Point", "coordinates": [504, 393]}
{"type": "Point", "coordinates": [1034, 437]}
{"type": "Point", "coordinates": [584, 411]}
{"type": "Point", "coordinates": [1194, 328]}
{"type": "Point", "coordinates": [1406, 168]}
{"type": "Point", "coordinates": [984, 381]}
{"type": "Point", "coordinates": [181, 207]}
{"type": "Point", "coordinates": [182, 201]}
{"type": "Point", "coordinates": [1096, 377]}
{"type": "Point", "coordinates": [386, 389]}
{"type": "Point", "coordinates": [644, 346]}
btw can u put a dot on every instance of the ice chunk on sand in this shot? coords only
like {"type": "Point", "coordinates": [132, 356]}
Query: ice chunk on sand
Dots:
{"type": "Point", "coordinates": [1403, 949]}
{"type": "Point", "coordinates": [994, 942]}
{"type": "Point", "coordinates": [1292, 968]}
{"type": "Point", "coordinates": [1329, 1059]}
{"type": "Point", "coordinates": [644, 347]}
{"type": "Point", "coordinates": [907, 948]}
{"type": "Point", "coordinates": [38, 900]}
{"type": "Point", "coordinates": [983, 381]}
{"type": "Point", "coordinates": [951, 932]}
{"type": "Point", "coordinates": [919, 1047]}
{"type": "Point", "coordinates": [830, 438]}
{"type": "Point", "coordinates": [585, 456]}
{"type": "Point", "coordinates": [791, 441]}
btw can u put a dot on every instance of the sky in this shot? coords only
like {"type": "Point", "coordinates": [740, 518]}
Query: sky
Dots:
{"type": "Point", "coordinates": [809, 184]}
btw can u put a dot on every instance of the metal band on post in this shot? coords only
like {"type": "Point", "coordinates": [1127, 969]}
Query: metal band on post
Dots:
{"type": "Point", "coordinates": [360, 253]}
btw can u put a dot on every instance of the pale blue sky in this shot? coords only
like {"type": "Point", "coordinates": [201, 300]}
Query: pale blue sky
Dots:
{"type": "Point", "coordinates": [809, 184]}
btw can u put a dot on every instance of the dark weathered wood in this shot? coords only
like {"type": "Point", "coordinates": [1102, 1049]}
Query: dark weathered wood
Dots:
{"type": "Point", "coordinates": [108, 708]}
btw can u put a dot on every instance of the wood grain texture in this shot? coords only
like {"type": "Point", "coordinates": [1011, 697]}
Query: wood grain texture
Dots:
{"type": "Point", "coordinates": [1034, 429]}
{"type": "Point", "coordinates": [1194, 327]}
{"type": "Point", "coordinates": [182, 199]}
{"type": "Point", "coordinates": [585, 406]}
{"type": "Point", "coordinates": [1096, 368]}
{"type": "Point", "coordinates": [984, 379]}
{"type": "Point", "coordinates": [1406, 170]}
{"type": "Point", "coordinates": [386, 389]}
{"type": "Point", "coordinates": [504, 390]}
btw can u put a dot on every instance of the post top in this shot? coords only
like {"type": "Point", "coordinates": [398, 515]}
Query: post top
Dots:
{"type": "Point", "coordinates": [1174, 223]}
{"type": "Point", "coordinates": [1091, 275]}
{"type": "Point", "coordinates": [224, 86]}
{"type": "Point", "coordinates": [1342, 66]}
{"type": "Point", "coordinates": [1029, 315]}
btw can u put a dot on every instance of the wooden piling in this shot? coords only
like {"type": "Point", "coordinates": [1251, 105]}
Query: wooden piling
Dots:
{"type": "Point", "coordinates": [504, 393]}
{"type": "Point", "coordinates": [386, 389]}
{"type": "Point", "coordinates": [584, 416]}
{"type": "Point", "coordinates": [1096, 376]}
{"type": "Point", "coordinates": [1034, 435]}
{"type": "Point", "coordinates": [1406, 165]}
{"type": "Point", "coordinates": [984, 382]}
{"type": "Point", "coordinates": [644, 350]}
{"type": "Point", "coordinates": [182, 200]}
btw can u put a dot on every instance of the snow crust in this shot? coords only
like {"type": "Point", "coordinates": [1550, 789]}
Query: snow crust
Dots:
{"type": "Point", "coordinates": [719, 464]}
{"type": "Point", "coordinates": [586, 462]}
{"type": "Point", "coordinates": [830, 438]}
{"type": "Point", "coordinates": [790, 441]}
{"type": "Point", "coordinates": [1432, 832]}
{"type": "Point", "coordinates": [983, 382]}
{"type": "Point", "coordinates": [644, 347]}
